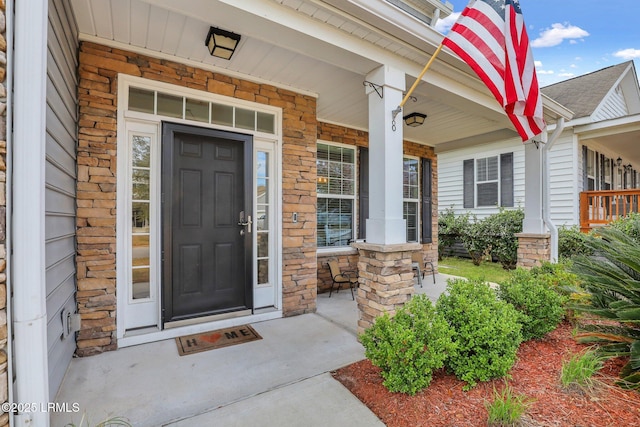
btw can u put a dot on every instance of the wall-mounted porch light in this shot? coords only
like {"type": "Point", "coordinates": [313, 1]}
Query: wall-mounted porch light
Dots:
{"type": "Point", "coordinates": [222, 43]}
{"type": "Point", "coordinates": [618, 162]}
{"type": "Point", "coordinates": [414, 119]}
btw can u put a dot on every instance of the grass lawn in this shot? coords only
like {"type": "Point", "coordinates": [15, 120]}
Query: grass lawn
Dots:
{"type": "Point", "coordinates": [488, 271]}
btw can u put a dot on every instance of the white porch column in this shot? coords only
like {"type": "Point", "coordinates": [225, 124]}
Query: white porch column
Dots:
{"type": "Point", "coordinates": [385, 224]}
{"type": "Point", "coordinates": [27, 214]}
{"type": "Point", "coordinates": [533, 242]}
{"type": "Point", "coordinates": [533, 196]}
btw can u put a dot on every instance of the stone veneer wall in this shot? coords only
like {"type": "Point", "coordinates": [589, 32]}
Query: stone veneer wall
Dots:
{"type": "Point", "coordinates": [4, 381]}
{"type": "Point", "coordinates": [96, 216]}
{"type": "Point", "coordinates": [348, 260]}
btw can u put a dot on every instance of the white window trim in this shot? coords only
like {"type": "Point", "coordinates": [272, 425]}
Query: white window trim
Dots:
{"type": "Point", "coordinates": [354, 198]}
{"type": "Point", "coordinates": [476, 182]}
{"type": "Point", "coordinates": [417, 201]}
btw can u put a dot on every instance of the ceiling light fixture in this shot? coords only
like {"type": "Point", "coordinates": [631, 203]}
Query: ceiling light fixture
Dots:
{"type": "Point", "coordinates": [222, 43]}
{"type": "Point", "coordinates": [414, 119]}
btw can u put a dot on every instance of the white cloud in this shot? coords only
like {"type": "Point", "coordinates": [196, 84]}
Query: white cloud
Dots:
{"type": "Point", "coordinates": [444, 25]}
{"type": "Point", "coordinates": [628, 54]}
{"type": "Point", "coordinates": [557, 34]}
{"type": "Point", "coordinates": [537, 63]}
{"type": "Point", "coordinates": [573, 66]}
{"type": "Point", "coordinates": [567, 75]}
{"type": "Point", "coordinates": [545, 72]}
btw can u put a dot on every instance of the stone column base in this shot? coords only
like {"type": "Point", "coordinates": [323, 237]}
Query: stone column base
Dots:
{"type": "Point", "coordinates": [386, 280]}
{"type": "Point", "coordinates": [533, 249]}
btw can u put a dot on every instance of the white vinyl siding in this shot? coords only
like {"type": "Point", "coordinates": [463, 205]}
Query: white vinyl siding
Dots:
{"type": "Point", "coordinates": [450, 175]}
{"type": "Point", "coordinates": [564, 196]}
{"type": "Point", "coordinates": [613, 106]}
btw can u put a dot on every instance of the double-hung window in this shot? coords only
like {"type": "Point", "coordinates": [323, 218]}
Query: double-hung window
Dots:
{"type": "Point", "coordinates": [411, 196]}
{"type": "Point", "coordinates": [336, 194]}
{"type": "Point", "coordinates": [488, 181]}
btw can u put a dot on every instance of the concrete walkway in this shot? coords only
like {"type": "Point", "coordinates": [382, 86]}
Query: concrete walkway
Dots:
{"type": "Point", "coordinates": [282, 380]}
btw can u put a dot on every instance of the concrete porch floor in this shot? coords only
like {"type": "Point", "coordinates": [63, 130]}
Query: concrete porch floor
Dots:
{"type": "Point", "coordinates": [281, 380]}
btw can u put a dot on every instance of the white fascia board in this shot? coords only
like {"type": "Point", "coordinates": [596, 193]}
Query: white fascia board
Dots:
{"type": "Point", "coordinates": [556, 109]}
{"type": "Point", "coordinates": [609, 127]}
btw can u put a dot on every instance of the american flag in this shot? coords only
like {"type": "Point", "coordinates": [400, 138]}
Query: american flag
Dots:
{"type": "Point", "coordinates": [490, 36]}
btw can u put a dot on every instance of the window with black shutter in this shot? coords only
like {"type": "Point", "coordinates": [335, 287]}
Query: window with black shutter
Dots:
{"type": "Point", "coordinates": [488, 181]}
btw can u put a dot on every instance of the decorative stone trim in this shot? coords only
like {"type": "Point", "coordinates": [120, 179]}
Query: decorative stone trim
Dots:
{"type": "Point", "coordinates": [533, 249]}
{"type": "Point", "coordinates": [385, 280]}
{"type": "Point", "coordinates": [96, 189]}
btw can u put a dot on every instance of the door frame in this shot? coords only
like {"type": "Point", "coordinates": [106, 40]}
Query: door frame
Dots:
{"type": "Point", "coordinates": [124, 116]}
{"type": "Point", "coordinates": [167, 149]}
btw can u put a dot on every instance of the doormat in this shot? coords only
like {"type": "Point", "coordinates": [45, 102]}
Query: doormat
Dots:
{"type": "Point", "coordinates": [215, 339]}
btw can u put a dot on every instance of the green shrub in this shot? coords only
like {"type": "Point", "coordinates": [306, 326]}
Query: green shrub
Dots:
{"type": "Point", "coordinates": [540, 307]}
{"type": "Point", "coordinates": [502, 227]}
{"type": "Point", "coordinates": [450, 227]}
{"type": "Point", "coordinates": [572, 242]}
{"type": "Point", "coordinates": [611, 277]}
{"type": "Point", "coordinates": [409, 346]}
{"type": "Point", "coordinates": [477, 239]}
{"type": "Point", "coordinates": [487, 332]}
{"type": "Point", "coordinates": [506, 409]}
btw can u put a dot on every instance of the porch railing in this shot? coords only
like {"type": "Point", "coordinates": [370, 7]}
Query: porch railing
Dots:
{"type": "Point", "coordinates": [598, 208]}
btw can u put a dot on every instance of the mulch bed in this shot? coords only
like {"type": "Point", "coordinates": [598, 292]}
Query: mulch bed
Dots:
{"type": "Point", "coordinates": [536, 375]}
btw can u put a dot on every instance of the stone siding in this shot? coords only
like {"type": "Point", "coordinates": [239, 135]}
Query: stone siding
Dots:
{"type": "Point", "coordinates": [360, 138]}
{"type": "Point", "coordinates": [4, 382]}
{"type": "Point", "coordinates": [533, 249]}
{"type": "Point", "coordinates": [96, 188]}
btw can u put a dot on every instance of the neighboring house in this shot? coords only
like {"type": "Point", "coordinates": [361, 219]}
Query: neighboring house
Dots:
{"type": "Point", "coordinates": [157, 190]}
{"type": "Point", "coordinates": [597, 150]}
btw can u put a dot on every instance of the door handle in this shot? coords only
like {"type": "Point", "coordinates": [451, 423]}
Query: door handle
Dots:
{"type": "Point", "coordinates": [245, 223]}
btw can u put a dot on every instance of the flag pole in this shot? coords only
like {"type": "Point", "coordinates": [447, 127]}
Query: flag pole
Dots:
{"type": "Point", "coordinates": [415, 84]}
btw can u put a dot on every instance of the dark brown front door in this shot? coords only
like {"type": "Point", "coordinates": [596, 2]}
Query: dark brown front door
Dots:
{"type": "Point", "coordinates": [206, 180]}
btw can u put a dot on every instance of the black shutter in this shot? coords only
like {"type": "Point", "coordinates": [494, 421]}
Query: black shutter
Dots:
{"type": "Point", "coordinates": [468, 196]}
{"type": "Point", "coordinates": [506, 180]}
{"type": "Point", "coordinates": [427, 208]}
{"type": "Point", "coordinates": [585, 180]}
{"type": "Point", "coordinates": [363, 188]}
{"type": "Point", "coordinates": [601, 169]}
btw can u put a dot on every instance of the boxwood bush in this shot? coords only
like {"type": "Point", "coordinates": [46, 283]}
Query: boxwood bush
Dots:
{"type": "Point", "coordinates": [487, 331]}
{"type": "Point", "coordinates": [540, 307]}
{"type": "Point", "coordinates": [409, 346]}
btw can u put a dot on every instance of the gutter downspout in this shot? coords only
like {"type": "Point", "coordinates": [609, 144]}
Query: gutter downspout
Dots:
{"type": "Point", "coordinates": [546, 214]}
{"type": "Point", "coordinates": [28, 208]}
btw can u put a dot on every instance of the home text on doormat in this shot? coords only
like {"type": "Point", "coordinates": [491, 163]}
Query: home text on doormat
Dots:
{"type": "Point", "coordinates": [215, 339]}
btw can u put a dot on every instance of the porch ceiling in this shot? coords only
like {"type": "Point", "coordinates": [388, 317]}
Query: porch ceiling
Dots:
{"type": "Point", "coordinates": [308, 46]}
{"type": "Point", "coordinates": [622, 136]}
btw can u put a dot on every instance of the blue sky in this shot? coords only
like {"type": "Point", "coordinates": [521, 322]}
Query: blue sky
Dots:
{"type": "Point", "coordinates": [571, 38]}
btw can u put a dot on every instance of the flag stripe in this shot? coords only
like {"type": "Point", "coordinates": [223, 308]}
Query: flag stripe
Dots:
{"type": "Point", "coordinates": [491, 37]}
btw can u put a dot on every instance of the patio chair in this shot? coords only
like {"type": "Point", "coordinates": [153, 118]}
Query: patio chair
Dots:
{"type": "Point", "coordinates": [340, 277]}
{"type": "Point", "coordinates": [419, 264]}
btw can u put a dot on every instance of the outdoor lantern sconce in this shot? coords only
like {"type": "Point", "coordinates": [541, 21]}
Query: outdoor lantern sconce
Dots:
{"type": "Point", "coordinates": [618, 161]}
{"type": "Point", "coordinates": [628, 167]}
{"type": "Point", "coordinates": [414, 119]}
{"type": "Point", "coordinates": [222, 43]}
